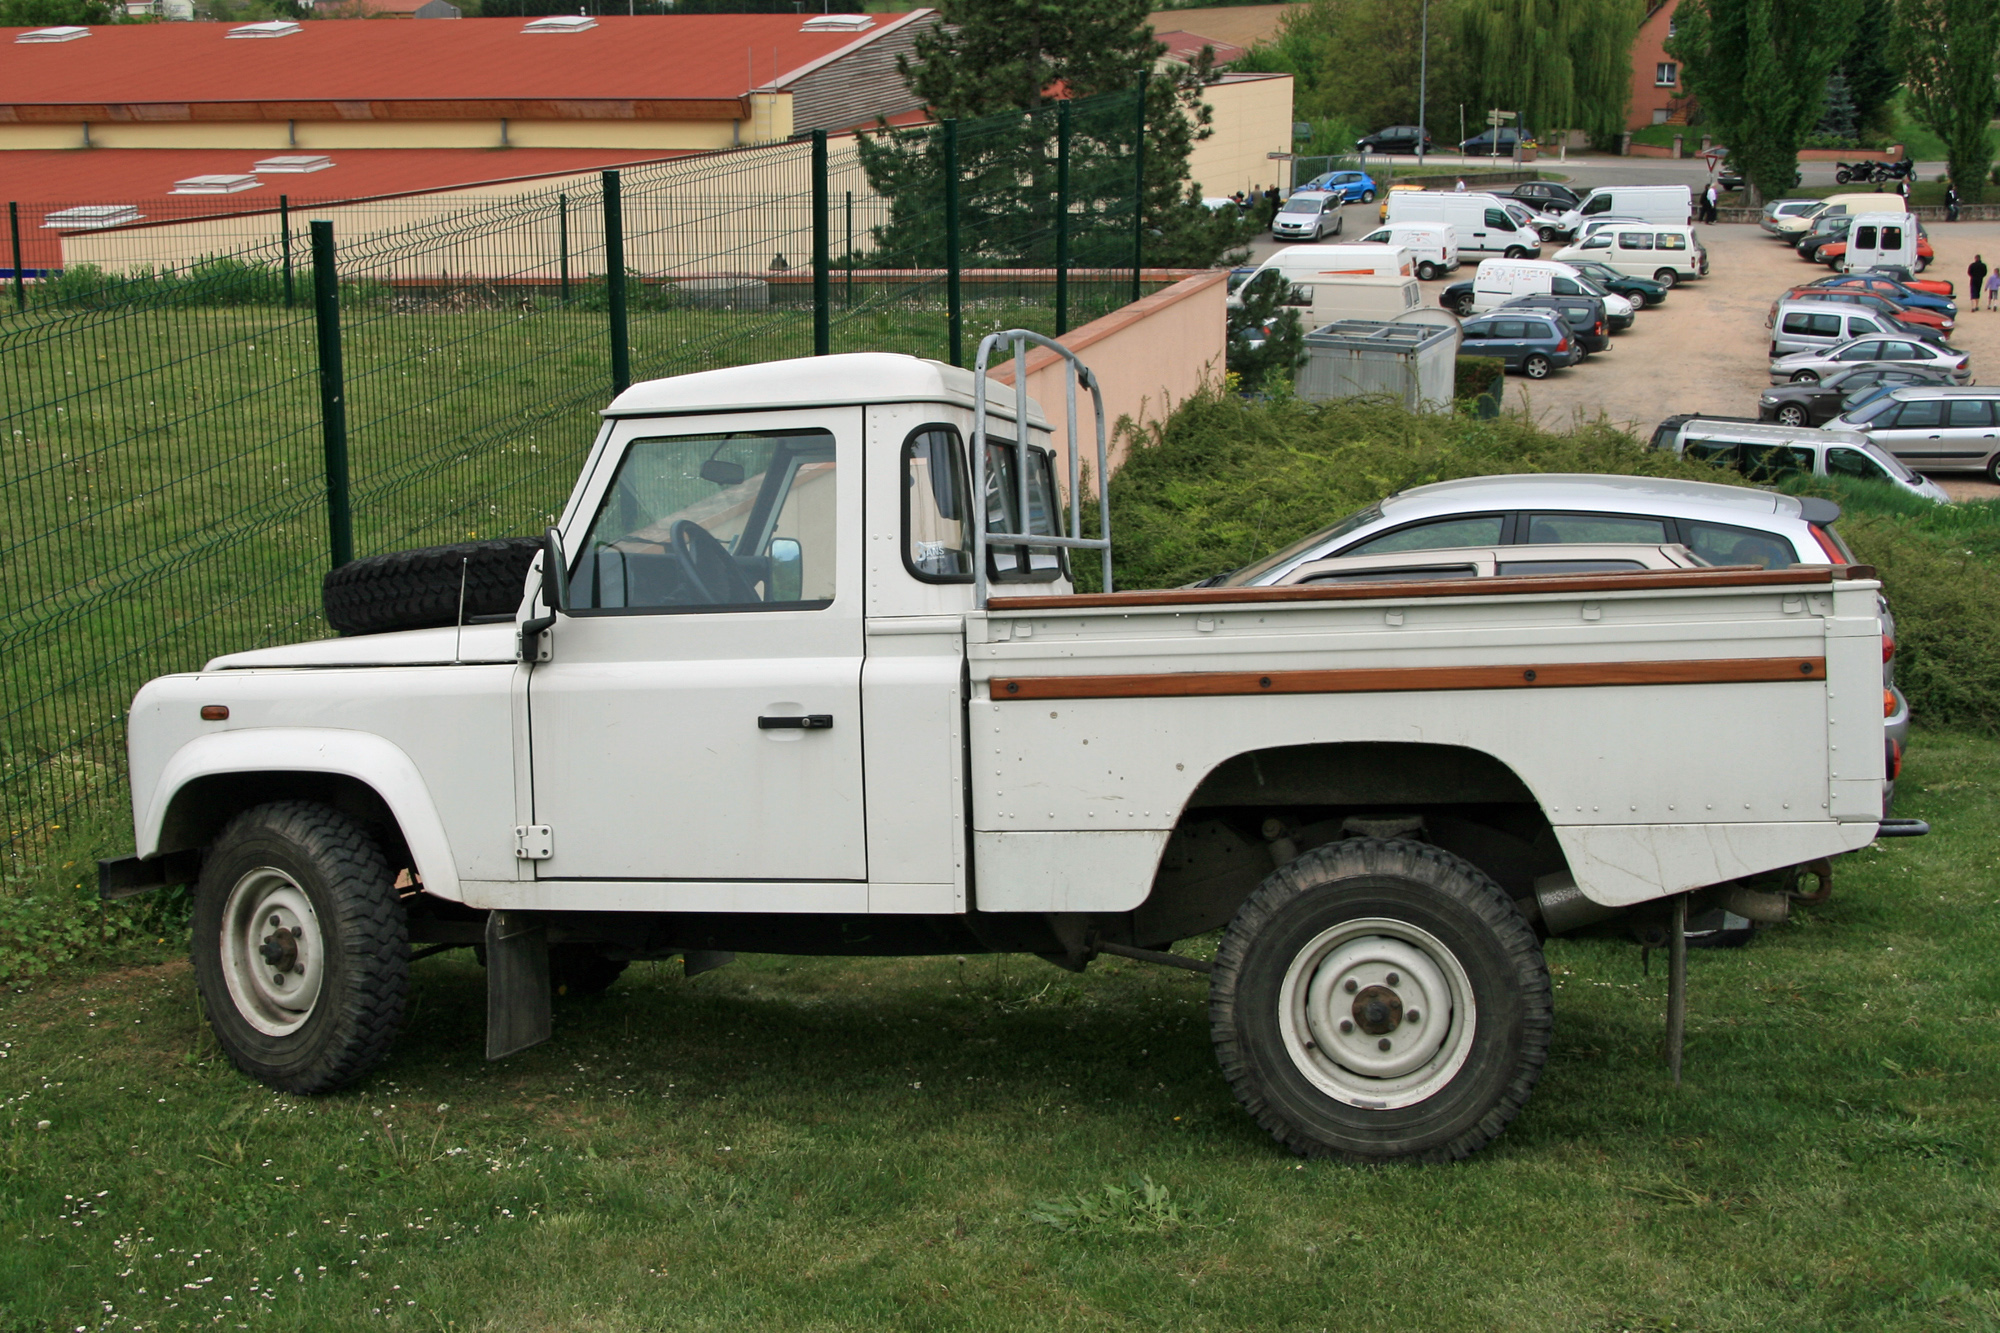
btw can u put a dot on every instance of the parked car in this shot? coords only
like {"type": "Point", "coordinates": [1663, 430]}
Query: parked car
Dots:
{"type": "Point", "coordinates": [1434, 245]}
{"type": "Point", "coordinates": [1639, 292]}
{"type": "Point", "coordinates": [1308, 215]}
{"type": "Point", "coordinates": [1799, 326]}
{"type": "Point", "coordinates": [1768, 452]}
{"type": "Point", "coordinates": [1926, 323]}
{"type": "Point", "coordinates": [1662, 205]}
{"type": "Point", "coordinates": [1349, 185]}
{"type": "Point", "coordinates": [1534, 342]}
{"type": "Point", "coordinates": [1937, 428]}
{"type": "Point", "coordinates": [1896, 272]}
{"type": "Point", "coordinates": [1395, 139]}
{"type": "Point", "coordinates": [1833, 206]}
{"type": "Point", "coordinates": [1778, 209]}
{"type": "Point", "coordinates": [1810, 366]}
{"type": "Point", "coordinates": [1822, 234]}
{"type": "Point", "coordinates": [1545, 196]}
{"type": "Point", "coordinates": [1498, 281]}
{"type": "Point", "coordinates": [1665, 254]}
{"type": "Point", "coordinates": [1486, 562]}
{"type": "Point", "coordinates": [1382, 209]}
{"type": "Point", "coordinates": [1495, 143]}
{"type": "Point", "coordinates": [1817, 403]}
{"type": "Point", "coordinates": [1585, 316]}
{"type": "Point", "coordinates": [1889, 289]}
{"type": "Point", "coordinates": [1833, 254]}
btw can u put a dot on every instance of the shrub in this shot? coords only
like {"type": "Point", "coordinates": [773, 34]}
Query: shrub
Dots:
{"type": "Point", "coordinates": [1476, 375]}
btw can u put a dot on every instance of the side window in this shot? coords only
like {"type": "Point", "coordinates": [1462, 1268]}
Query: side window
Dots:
{"type": "Point", "coordinates": [1562, 286]}
{"type": "Point", "coordinates": [1405, 575]}
{"type": "Point", "coordinates": [1601, 241]}
{"type": "Point", "coordinates": [1497, 219]}
{"type": "Point", "coordinates": [937, 540]}
{"type": "Point", "coordinates": [1857, 325]}
{"type": "Point", "coordinates": [1825, 325]}
{"type": "Point", "coordinates": [1771, 462]}
{"type": "Point", "coordinates": [1564, 529]}
{"type": "Point", "coordinates": [1635, 240]}
{"type": "Point", "coordinates": [1868, 351]}
{"type": "Point", "coordinates": [1022, 564]}
{"type": "Point", "coordinates": [1441, 534]}
{"type": "Point", "coordinates": [1720, 544]}
{"type": "Point", "coordinates": [1520, 567]}
{"type": "Point", "coordinates": [1970, 412]}
{"type": "Point", "coordinates": [1853, 463]}
{"type": "Point", "coordinates": [736, 521]}
{"type": "Point", "coordinates": [1670, 240]}
{"type": "Point", "coordinates": [1477, 332]}
{"type": "Point", "coordinates": [1712, 451]}
{"type": "Point", "coordinates": [1921, 414]}
{"type": "Point", "coordinates": [1799, 323]}
{"type": "Point", "coordinates": [1601, 204]}
{"type": "Point", "coordinates": [1511, 329]}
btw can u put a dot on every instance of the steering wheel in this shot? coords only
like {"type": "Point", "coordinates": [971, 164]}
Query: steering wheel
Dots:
{"type": "Point", "coordinates": [710, 569]}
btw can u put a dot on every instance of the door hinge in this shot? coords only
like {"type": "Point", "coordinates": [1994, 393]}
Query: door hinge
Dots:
{"type": "Point", "coordinates": [533, 842]}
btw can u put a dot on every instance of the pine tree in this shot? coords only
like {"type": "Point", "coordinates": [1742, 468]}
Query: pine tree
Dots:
{"type": "Point", "coordinates": [1283, 349]}
{"type": "Point", "coordinates": [1837, 127]}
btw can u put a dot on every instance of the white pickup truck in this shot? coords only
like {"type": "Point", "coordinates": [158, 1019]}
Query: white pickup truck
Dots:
{"type": "Point", "coordinates": [783, 694]}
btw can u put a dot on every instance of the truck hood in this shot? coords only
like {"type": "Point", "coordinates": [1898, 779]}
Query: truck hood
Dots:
{"type": "Point", "coordinates": [414, 647]}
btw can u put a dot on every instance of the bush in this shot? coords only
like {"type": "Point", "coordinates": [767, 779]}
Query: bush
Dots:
{"type": "Point", "coordinates": [1477, 375]}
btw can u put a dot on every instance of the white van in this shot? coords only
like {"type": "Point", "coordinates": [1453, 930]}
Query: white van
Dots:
{"type": "Point", "coordinates": [1434, 244]}
{"type": "Point", "coordinates": [1486, 223]}
{"type": "Point", "coordinates": [1498, 281]}
{"type": "Point", "coordinates": [1642, 250]}
{"type": "Point", "coordinates": [1303, 265]}
{"type": "Point", "coordinates": [1668, 205]}
{"type": "Point", "coordinates": [1795, 225]}
{"type": "Point", "coordinates": [1882, 238]}
{"type": "Point", "coordinates": [1362, 298]}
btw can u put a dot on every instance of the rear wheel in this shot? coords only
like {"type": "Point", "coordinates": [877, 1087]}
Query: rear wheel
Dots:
{"type": "Point", "coordinates": [1666, 277]}
{"type": "Point", "coordinates": [1993, 469]}
{"type": "Point", "coordinates": [1380, 999]}
{"type": "Point", "coordinates": [1427, 270]}
{"type": "Point", "coordinates": [1368, 196]}
{"type": "Point", "coordinates": [1842, 177]}
{"type": "Point", "coordinates": [1805, 377]}
{"type": "Point", "coordinates": [1791, 414]}
{"type": "Point", "coordinates": [1536, 367]}
{"type": "Point", "coordinates": [301, 946]}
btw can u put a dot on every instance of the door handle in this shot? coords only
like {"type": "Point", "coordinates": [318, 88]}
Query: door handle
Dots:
{"type": "Point", "coordinates": [809, 722]}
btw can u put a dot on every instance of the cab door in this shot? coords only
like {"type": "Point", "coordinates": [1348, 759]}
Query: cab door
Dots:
{"type": "Point", "coordinates": [700, 717]}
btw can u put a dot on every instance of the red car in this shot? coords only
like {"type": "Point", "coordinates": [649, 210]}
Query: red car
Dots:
{"type": "Point", "coordinates": [1896, 310]}
{"type": "Point", "coordinates": [1921, 295]}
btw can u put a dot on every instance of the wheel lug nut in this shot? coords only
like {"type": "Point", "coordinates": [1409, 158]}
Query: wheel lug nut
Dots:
{"type": "Point", "coordinates": [1382, 1045]}
{"type": "Point", "coordinates": [1352, 986]}
{"type": "Point", "coordinates": [1395, 980]}
{"type": "Point", "coordinates": [274, 918]}
{"type": "Point", "coordinates": [277, 978]}
{"type": "Point", "coordinates": [1411, 1016]}
{"type": "Point", "coordinates": [1347, 1025]}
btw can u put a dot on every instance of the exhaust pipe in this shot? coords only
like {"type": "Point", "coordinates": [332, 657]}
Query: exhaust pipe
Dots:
{"type": "Point", "coordinates": [1563, 906]}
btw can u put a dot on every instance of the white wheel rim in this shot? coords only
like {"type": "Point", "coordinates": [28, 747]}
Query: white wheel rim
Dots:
{"type": "Point", "coordinates": [273, 952]}
{"type": "Point", "coordinates": [1344, 977]}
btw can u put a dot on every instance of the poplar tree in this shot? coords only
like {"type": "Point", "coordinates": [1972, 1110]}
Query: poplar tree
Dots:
{"type": "Point", "coordinates": [1948, 50]}
{"type": "Point", "coordinates": [1563, 64]}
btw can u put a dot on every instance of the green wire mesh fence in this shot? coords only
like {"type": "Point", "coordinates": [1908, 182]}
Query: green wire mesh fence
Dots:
{"type": "Point", "coordinates": [172, 488]}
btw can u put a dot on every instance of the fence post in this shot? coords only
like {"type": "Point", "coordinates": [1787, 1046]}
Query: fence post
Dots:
{"type": "Point", "coordinates": [562, 241]}
{"type": "Point", "coordinates": [614, 284]}
{"type": "Point", "coordinates": [285, 244]}
{"type": "Point", "coordinates": [822, 243]}
{"type": "Point", "coordinates": [1139, 188]}
{"type": "Point", "coordinates": [849, 254]}
{"type": "Point", "coordinates": [332, 395]}
{"type": "Point", "coordinates": [952, 294]}
{"type": "Point", "coordinates": [21, 286]}
{"type": "Point", "coordinates": [1062, 218]}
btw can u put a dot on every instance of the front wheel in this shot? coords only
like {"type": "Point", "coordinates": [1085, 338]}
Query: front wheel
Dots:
{"type": "Point", "coordinates": [1536, 367]}
{"type": "Point", "coordinates": [1842, 177]}
{"type": "Point", "coordinates": [1463, 306]}
{"type": "Point", "coordinates": [1805, 377]}
{"type": "Point", "coordinates": [1791, 414]}
{"type": "Point", "coordinates": [1516, 252]}
{"type": "Point", "coordinates": [1638, 300]}
{"type": "Point", "coordinates": [1376, 1000]}
{"type": "Point", "coordinates": [1666, 277]}
{"type": "Point", "coordinates": [1426, 271]}
{"type": "Point", "coordinates": [301, 946]}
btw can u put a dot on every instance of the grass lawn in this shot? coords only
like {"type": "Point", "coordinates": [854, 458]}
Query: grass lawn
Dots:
{"type": "Point", "coordinates": [835, 1144]}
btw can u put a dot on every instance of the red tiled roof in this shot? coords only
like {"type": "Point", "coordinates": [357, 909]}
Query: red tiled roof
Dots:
{"type": "Point", "coordinates": [676, 57]}
{"type": "Point", "coordinates": [1185, 47]}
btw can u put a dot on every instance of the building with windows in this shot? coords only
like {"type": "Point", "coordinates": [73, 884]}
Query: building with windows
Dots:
{"type": "Point", "coordinates": [1659, 96]}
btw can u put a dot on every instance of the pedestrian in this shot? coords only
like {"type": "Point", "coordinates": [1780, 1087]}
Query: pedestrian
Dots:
{"type": "Point", "coordinates": [1950, 202]}
{"type": "Point", "coordinates": [1708, 201]}
{"type": "Point", "coordinates": [1976, 273]}
{"type": "Point", "coordinates": [1993, 289]}
{"type": "Point", "coordinates": [1903, 188]}
{"type": "Point", "coordinates": [1461, 186]}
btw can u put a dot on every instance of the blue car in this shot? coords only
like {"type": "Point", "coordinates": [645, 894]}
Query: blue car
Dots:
{"type": "Point", "coordinates": [1349, 185]}
{"type": "Point", "coordinates": [1890, 290]}
{"type": "Point", "coordinates": [1533, 342]}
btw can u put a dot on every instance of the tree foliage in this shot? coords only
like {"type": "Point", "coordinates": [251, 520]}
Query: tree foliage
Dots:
{"type": "Point", "coordinates": [1014, 55]}
{"type": "Point", "coordinates": [1759, 69]}
{"type": "Point", "coordinates": [1948, 50]}
{"type": "Point", "coordinates": [57, 13]}
{"type": "Point", "coordinates": [1360, 60]}
{"type": "Point", "coordinates": [1283, 349]}
{"type": "Point", "coordinates": [1563, 64]}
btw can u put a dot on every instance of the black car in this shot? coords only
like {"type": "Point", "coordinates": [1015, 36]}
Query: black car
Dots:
{"type": "Point", "coordinates": [1494, 143]}
{"type": "Point", "coordinates": [1584, 315]}
{"type": "Point", "coordinates": [1545, 196]}
{"type": "Point", "coordinates": [1824, 233]}
{"type": "Point", "coordinates": [1394, 139]}
{"type": "Point", "coordinates": [1816, 404]}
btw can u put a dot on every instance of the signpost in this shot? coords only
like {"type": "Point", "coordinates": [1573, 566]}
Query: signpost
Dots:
{"type": "Point", "coordinates": [1496, 119]}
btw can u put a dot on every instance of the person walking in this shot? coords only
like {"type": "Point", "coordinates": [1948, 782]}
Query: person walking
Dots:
{"type": "Point", "coordinates": [1976, 273]}
{"type": "Point", "coordinates": [1708, 201]}
{"type": "Point", "coordinates": [1993, 290]}
{"type": "Point", "coordinates": [1461, 186]}
{"type": "Point", "coordinates": [1950, 202]}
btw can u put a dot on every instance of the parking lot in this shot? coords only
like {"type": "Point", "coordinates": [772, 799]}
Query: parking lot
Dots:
{"type": "Point", "coordinates": [1706, 349]}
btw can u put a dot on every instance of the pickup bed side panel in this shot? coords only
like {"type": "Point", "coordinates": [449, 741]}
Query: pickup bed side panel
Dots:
{"type": "Point", "coordinates": [1695, 715]}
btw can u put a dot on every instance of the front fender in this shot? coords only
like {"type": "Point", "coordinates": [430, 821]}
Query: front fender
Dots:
{"type": "Point", "coordinates": [362, 756]}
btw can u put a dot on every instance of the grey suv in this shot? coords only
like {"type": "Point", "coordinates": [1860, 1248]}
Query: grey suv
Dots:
{"type": "Point", "coordinates": [1938, 429]}
{"type": "Point", "coordinates": [1533, 342]}
{"type": "Point", "coordinates": [1585, 315]}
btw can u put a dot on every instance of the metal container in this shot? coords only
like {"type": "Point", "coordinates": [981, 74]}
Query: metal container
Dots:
{"type": "Point", "coordinates": [1414, 363]}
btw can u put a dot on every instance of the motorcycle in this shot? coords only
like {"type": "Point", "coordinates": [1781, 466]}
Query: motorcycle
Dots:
{"type": "Point", "coordinates": [1877, 172]}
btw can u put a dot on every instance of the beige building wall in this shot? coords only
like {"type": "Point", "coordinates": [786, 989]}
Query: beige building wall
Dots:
{"type": "Point", "coordinates": [1253, 119]}
{"type": "Point", "coordinates": [1149, 356]}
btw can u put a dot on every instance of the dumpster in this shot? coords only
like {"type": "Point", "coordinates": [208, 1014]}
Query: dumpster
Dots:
{"type": "Point", "coordinates": [1414, 363]}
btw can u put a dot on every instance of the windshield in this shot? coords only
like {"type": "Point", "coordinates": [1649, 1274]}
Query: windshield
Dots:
{"type": "Point", "coordinates": [1304, 545]}
{"type": "Point", "coordinates": [1301, 204]}
{"type": "Point", "coordinates": [1522, 217]}
{"type": "Point", "coordinates": [1889, 461]}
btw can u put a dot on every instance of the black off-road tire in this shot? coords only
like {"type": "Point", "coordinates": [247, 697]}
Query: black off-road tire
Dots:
{"type": "Point", "coordinates": [1398, 885]}
{"type": "Point", "coordinates": [419, 589]}
{"type": "Point", "coordinates": [357, 936]}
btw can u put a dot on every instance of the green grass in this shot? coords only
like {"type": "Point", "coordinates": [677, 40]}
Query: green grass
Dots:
{"type": "Point", "coordinates": [833, 1144]}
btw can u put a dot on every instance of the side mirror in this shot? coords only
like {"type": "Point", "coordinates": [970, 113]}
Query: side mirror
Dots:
{"type": "Point", "coordinates": [788, 570]}
{"type": "Point", "coordinates": [555, 572]}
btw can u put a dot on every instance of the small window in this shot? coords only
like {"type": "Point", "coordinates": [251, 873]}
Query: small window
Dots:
{"type": "Point", "coordinates": [1670, 240]}
{"type": "Point", "coordinates": [1596, 204]}
{"type": "Point", "coordinates": [1518, 568]}
{"type": "Point", "coordinates": [1857, 325]}
{"type": "Point", "coordinates": [1827, 326]}
{"type": "Point", "coordinates": [1562, 286]}
{"type": "Point", "coordinates": [1443, 534]}
{"type": "Point", "coordinates": [1022, 564]}
{"type": "Point", "coordinates": [1892, 238]}
{"type": "Point", "coordinates": [1853, 463]}
{"type": "Point", "coordinates": [1567, 529]}
{"type": "Point", "coordinates": [1864, 238]}
{"type": "Point", "coordinates": [1921, 414]}
{"type": "Point", "coordinates": [1720, 544]}
{"type": "Point", "coordinates": [1666, 74]}
{"type": "Point", "coordinates": [1635, 240]}
{"type": "Point", "coordinates": [1498, 219]}
{"type": "Point", "coordinates": [721, 522]}
{"type": "Point", "coordinates": [937, 541]}
{"type": "Point", "coordinates": [1970, 412]}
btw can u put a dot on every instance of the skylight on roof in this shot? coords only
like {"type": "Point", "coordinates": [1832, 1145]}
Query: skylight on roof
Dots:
{"type": "Point", "coordinates": [52, 35]}
{"type": "Point", "coordinates": [219, 183]}
{"type": "Point", "coordinates": [562, 23]}
{"type": "Point", "coordinates": [838, 23]}
{"type": "Point", "coordinates": [89, 216]}
{"type": "Point", "coordinates": [294, 165]}
{"type": "Point", "coordinates": [268, 28]}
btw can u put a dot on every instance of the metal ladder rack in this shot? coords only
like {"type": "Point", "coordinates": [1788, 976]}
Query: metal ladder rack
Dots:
{"type": "Point", "coordinates": [1017, 341]}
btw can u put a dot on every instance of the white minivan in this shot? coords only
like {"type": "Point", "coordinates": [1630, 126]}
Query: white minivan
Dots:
{"type": "Point", "coordinates": [1486, 223]}
{"type": "Point", "coordinates": [1664, 254]}
{"type": "Point", "coordinates": [1361, 298]}
{"type": "Point", "coordinates": [1882, 238]}
{"type": "Point", "coordinates": [1666, 205]}
{"type": "Point", "coordinates": [1498, 281]}
{"type": "Point", "coordinates": [1434, 244]}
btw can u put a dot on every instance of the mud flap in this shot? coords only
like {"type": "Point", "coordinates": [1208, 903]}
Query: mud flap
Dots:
{"type": "Point", "coordinates": [517, 982]}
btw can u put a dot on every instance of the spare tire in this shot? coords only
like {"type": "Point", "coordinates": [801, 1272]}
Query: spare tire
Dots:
{"type": "Point", "coordinates": [420, 589]}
